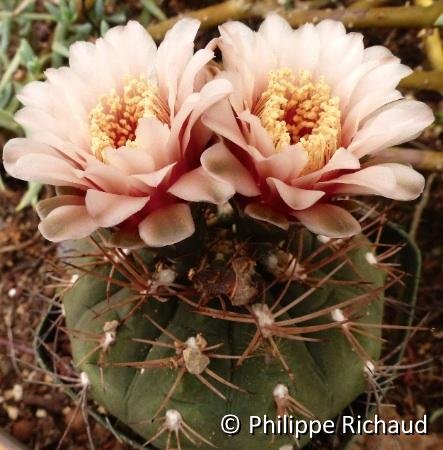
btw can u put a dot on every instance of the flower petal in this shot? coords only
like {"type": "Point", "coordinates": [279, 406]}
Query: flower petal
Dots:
{"type": "Point", "coordinates": [167, 226]}
{"type": "Point", "coordinates": [44, 207]}
{"type": "Point", "coordinates": [199, 186]}
{"type": "Point", "coordinates": [284, 165]}
{"type": "Point", "coordinates": [129, 160]}
{"type": "Point", "coordinates": [398, 122]}
{"type": "Point", "coordinates": [111, 209]}
{"type": "Point", "coordinates": [48, 169]}
{"type": "Point", "coordinates": [328, 220]}
{"type": "Point", "coordinates": [220, 119]}
{"type": "Point", "coordinates": [173, 55]}
{"type": "Point", "coordinates": [370, 180]}
{"type": "Point", "coordinates": [409, 182]}
{"type": "Point", "coordinates": [265, 213]}
{"type": "Point", "coordinates": [67, 222]}
{"type": "Point", "coordinates": [153, 179]}
{"type": "Point", "coordinates": [295, 198]}
{"type": "Point", "coordinates": [224, 166]}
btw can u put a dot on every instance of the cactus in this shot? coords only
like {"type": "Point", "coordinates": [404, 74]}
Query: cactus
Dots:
{"type": "Point", "coordinates": [248, 322]}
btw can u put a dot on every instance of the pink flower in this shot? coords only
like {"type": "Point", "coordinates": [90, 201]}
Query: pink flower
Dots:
{"type": "Point", "coordinates": [119, 133]}
{"type": "Point", "coordinates": [310, 110]}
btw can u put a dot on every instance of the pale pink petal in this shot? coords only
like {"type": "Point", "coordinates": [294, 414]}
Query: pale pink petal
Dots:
{"type": "Point", "coordinates": [306, 48]}
{"type": "Point", "coordinates": [108, 209]}
{"type": "Point", "coordinates": [44, 207]}
{"type": "Point", "coordinates": [224, 166]}
{"type": "Point", "coordinates": [48, 169]}
{"type": "Point", "coordinates": [284, 165]}
{"type": "Point", "coordinates": [370, 180]}
{"type": "Point", "coordinates": [134, 47]}
{"type": "Point", "coordinates": [328, 220]}
{"type": "Point", "coordinates": [36, 94]}
{"type": "Point", "coordinates": [187, 82]}
{"type": "Point", "coordinates": [394, 124]}
{"type": "Point", "coordinates": [83, 56]}
{"type": "Point", "coordinates": [342, 159]}
{"type": "Point", "coordinates": [265, 213]}
{"type": "Point", "coordinates": [106, 178]}
{"type": "Point", "coordinates": [167, 226]}
{"type": "Point", "coordinates": [79, 95]}
{"type": "Point", "coordinates": [16, 148]}
{"type": "Point", "coordinates": [199, 186]}
{"type": "Point", "coordinates": [241, 49]}
{"type": "Point", "coordinates": [330, 30]}
{"type": "Point", "coordinates": [129, 160]}
{"type": "Point", "coordinates": [343, 88]}
{"type": "Point", "coordinates": [409, 182]}
{"type": "Point", "coordinates": [257, 136]}
{"type": "Point", "coordinates": [220, 119]}
{"type": "Point", "coordinates": [363, 109]}
{"type": "Point", "coordinates": [153, 179]}
{"type": "Point", "coordinates": [67, 222]}
{"type": "Point", "coordinates": [211, 93]}
{"type": "Point", "coordinates": [173, 55]}
{"type": "Point", "coordinates": [295, 198]}
{"type": "Point", "coordinates": [152, 136]}
{"type": "Point", "coordinates": [381, 79]}
{"type": "Point", "coordinates": [279, 35]}
{"type": "Point", "coordinates": [348, 48]}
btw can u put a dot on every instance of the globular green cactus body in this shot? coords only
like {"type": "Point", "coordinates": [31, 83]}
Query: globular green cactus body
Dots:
{"type": "Point", "coordinates": [324, 376]}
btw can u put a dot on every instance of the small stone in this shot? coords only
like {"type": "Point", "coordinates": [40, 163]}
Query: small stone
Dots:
{"type": "Point", "coordinates": [41, 413]}
{"type": "Point", "coordinates": [12, 411]}
{"type": "Point", "coordinates": [15, 394]}
{"type": "Point", "coordinates": [23, 430]}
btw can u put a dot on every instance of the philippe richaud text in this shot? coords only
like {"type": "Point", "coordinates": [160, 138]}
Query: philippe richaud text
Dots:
{"type": "Point", "coordinates": [289, 425]}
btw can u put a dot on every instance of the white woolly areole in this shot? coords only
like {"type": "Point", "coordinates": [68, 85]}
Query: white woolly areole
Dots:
{"type": "Point", "coordinates": [277, 263]}
{"type": "Point", "coordinates": [272, 262]}
{"type": "Point", "coordinates": [84, 379]}
{"type": "Point", "coordinates": [280, 391]}
{"type": "Point", "coordinates": [191, 342]}
{"type": "Point", "coordinates": [337, 315]}
{"type": "Point", "coordinates": [173, 419]}
{"type": "Point", "coordinates": [286, 447]}
{"type": "Point", "coordinates": [74, 278]}
{"type": "Point", "coordinates": [371, 258]}
{"type": "Point", "coordinates": [263, 315]}
{"type": "Point", "coordinates": [165, 277]}
{"type": "Point", "coordinates": [109, 339]}
{"type": "Point", "coordinates": [369, 368]}
{"type": "Point", "coordinates": [126, 251]}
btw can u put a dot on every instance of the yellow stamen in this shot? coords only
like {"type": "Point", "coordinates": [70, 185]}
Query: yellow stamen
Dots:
{"type": "Point", "coordinates": [299, 110]}
{"type": "Point", "coordinates": [113, 121]}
